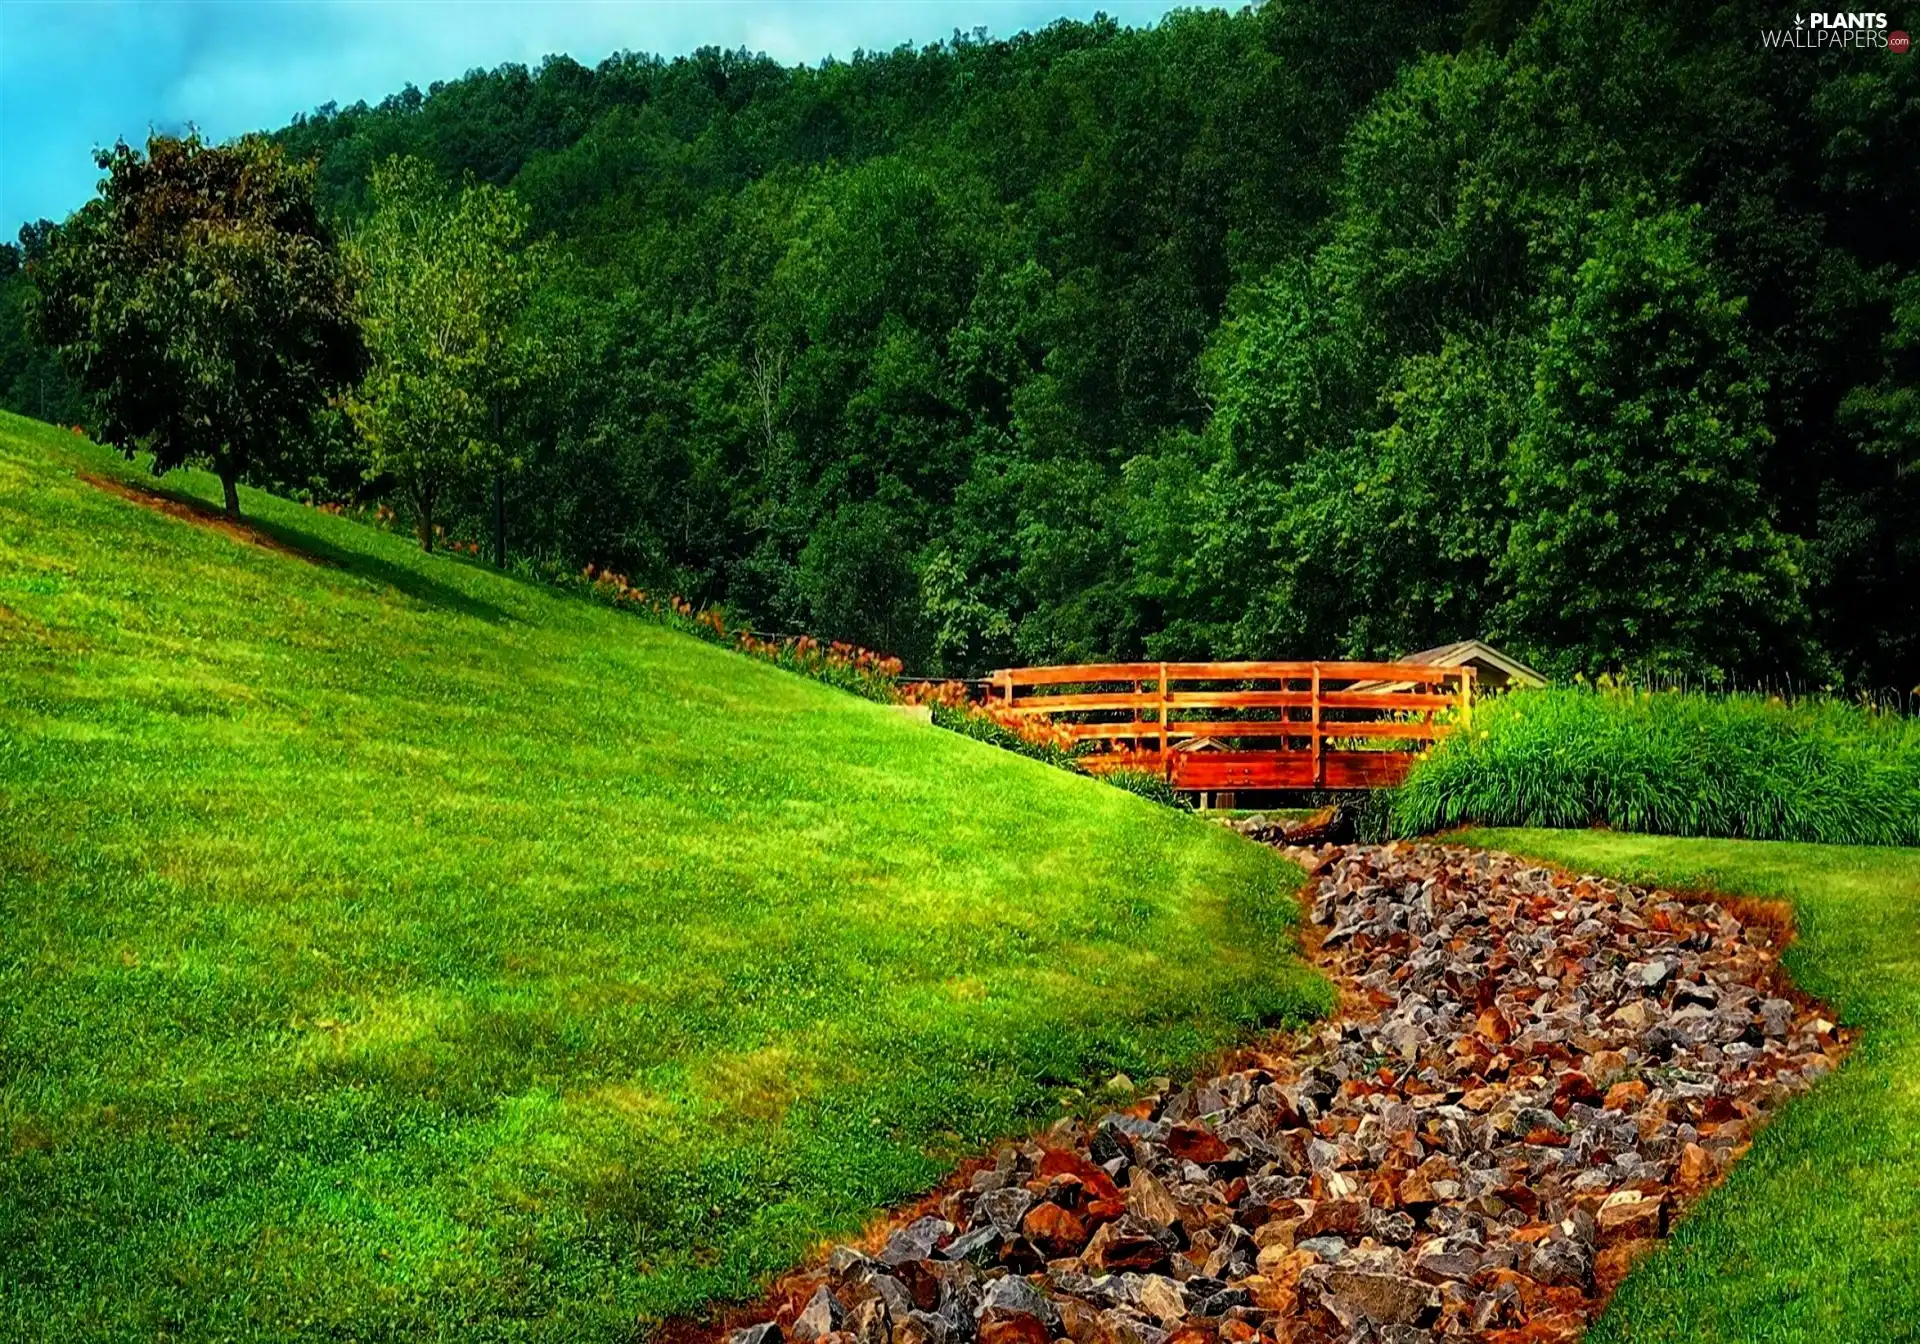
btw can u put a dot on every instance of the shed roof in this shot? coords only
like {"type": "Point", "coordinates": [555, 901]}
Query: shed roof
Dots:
{"type": "Point", "coordinates": [1477, 653]}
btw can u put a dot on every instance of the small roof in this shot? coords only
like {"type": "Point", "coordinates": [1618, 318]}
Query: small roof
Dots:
{"type": "Point", "coordinates": [1477, 653]}
{"type": "Point", "coordinates": [1474, 653]}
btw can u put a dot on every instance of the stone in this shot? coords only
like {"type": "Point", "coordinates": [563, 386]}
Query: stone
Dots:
{"type": "Point", "coordinates": [1380, 1299]}
{"type": "Point", "coordinates": [822, 1316]}
{"type": "Point", "coordinates": [1148, 1200]}
{"type": "Point", "coordinates": [1560, 1261]}
{"type": "Point", "coordinates": [1628, 1215]}
{"type": "Point", "coordinates": [767, 1332]}
{"type": "Point", "coordinates": [1014, 1330]}
{"type": "Point", "coordinates": [980, 1246]}
{"type": "Point", "coordinates": [1011, 1293]}
{"type": "Point", "coordinates": [915, 1241]}
{"type": "Point", "coordinates": [1544, 1064]}
{"type": "Point", "coordinates": [1346, 1217]}
{"type": "Point", "coordinates": [1696, 1166]}
{"type": "Point", "coordinates": [920, 1327]}
{"type": "Point", "coordinates": [1162, 1298]}
{"type": "Point", "coordinates": [1324, 1247]}
{"type": "Point", "coordinates": [1625, 1096]}
{"type": "Point", "coordinates": [1439, 1260]}
{"type": "Point", "coordinates": [1054, 1230]}
{"type": "Point", "coordinates": [1197, 1143]}
{"type": "Point", "coordinates": [1003, 1209]}
{"type": "Point", "coordinates": [1122, 1245]}
{"type": "Point", "coordinates": [870, 1322]}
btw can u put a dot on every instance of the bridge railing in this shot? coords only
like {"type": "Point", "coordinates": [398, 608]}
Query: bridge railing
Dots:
{"type": "Point", "coordinates": [1246, 725]}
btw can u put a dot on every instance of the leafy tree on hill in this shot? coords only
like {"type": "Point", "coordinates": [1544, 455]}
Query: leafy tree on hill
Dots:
{"type": "Point", "coordinates": [201, 302]}
{"type": "Point", "coordinates": [443, 279]}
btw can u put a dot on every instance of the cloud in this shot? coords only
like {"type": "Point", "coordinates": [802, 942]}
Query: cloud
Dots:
{"type": "Point", "coordinates": [75, 75]}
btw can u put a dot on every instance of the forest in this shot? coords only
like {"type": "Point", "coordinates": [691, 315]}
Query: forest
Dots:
{"type": "Point", "coordinates": [1300, 331]}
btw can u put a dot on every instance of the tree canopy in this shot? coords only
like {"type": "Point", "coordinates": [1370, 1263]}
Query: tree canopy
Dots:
{"type": "Point", "coordinates": [200, 301]}
{"type": "Point", "coordinates": [441, 282]}
{"type": "Point", "coordinates": [1294, 331]}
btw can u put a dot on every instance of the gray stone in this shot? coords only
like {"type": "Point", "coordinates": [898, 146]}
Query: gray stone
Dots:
{"type": "Point", "coordinates": [915, 1241]}
{"type": "Point", "coordinates": [822, 1316]}
{"type": "Point", "coordinates": [1002, 1210]}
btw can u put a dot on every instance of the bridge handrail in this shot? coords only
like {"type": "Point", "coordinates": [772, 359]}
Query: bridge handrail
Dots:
{"type": "Point", "coordinates": [1401, 701]}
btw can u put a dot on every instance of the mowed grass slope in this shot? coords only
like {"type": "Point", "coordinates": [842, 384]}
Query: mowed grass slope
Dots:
{"type": "Point", "coordinates": [1815, 1237]}
{"type": "Point", "coordinates": [390, 950]}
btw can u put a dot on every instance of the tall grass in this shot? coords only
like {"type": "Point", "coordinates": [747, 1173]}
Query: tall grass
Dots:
{"type": "Point", "coordinates": [1675, 763]}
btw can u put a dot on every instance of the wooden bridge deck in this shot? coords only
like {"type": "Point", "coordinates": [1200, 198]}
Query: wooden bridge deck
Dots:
{"type": "Point", "coordinates": [1211, 727]}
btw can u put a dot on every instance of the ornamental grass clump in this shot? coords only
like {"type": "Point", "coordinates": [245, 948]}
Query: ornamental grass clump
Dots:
{"type": "Point", "coordinates": [1674, 763]}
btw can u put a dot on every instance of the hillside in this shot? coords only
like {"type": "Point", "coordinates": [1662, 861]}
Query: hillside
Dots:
{"type": "Point", "coordinates": [394, 950]}
{"type": "Point", "coordinates": [1294, 331]}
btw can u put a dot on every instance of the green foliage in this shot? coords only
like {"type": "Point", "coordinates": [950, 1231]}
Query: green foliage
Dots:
{"type": "Point", "coordinates": [395, 949]}
{"type": "Point", "coordinates": [1146, 783]}
{"type": "Point", "coordinates": [31, 378]}
{"type": "Point", "coordinates": [1292, 332]}
{"type": "Point", "coordinates": [1811, 1240]}
{"type": "Point", "coordinates": [442, 280]}
{"type": "Point", "coordinates": [1641, 536]}
{"type": "Point", "coordinates": [981, 728]}
{"type": "Point", "coordinates": [1674, 763]}
{"type": "Point", "coordinates": [199, 301]}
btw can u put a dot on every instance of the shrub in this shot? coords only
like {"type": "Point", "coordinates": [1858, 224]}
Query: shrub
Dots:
{"type": "Point", "coordinates": [1145, 783]}
{"type": "Point", "coordinates": [971, 722]}
{"type": "Point", "coordinates": [1674, 763]}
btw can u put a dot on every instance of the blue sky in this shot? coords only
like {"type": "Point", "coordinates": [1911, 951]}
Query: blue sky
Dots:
{"type": "Point", "coordinates": [80, 73]}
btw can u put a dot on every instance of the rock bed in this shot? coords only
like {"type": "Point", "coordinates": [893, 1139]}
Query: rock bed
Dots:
{"type": "Point", "coordinates": [1532, 1072]}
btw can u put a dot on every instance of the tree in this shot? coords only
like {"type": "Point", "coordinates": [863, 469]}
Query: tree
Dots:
{"type": "Point", "coordinates": [443, 278]}
{"type": "Point", "coordinates": [200, 301]}
{"type": "Point", "coordinates": [1641, 536]}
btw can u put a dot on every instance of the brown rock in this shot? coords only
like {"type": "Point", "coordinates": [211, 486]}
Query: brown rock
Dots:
{"type": "Point", "coordinates": [1162, 1298]}
{"type": "Point", "coordinates": [1118, 1246]}
{"type": "Point", "coordinates": [1196, 1143]}
{"type": "Point", "coordinates": [1627, 1215]}
{"type": "Point", "coordinates": [1065, 1162]}
{"type": "Point", "coordinates": [1625, 1096]}
{"type": "Point", "coordinates": [1148, 1200]}
{"type": "Point", "coordinates": [1383, 1299]}
{"type": "Point", "coordinates": [1054, 1230]}
{"type": "Point", "coordinates": [1013, 1328]}
{"type": "Point", "coordinates": [1080, 1321]}
{"type": "Point", "coordinates": [1342, 1217]}
{"type": "Point", "coordinates": [1605, 1067]}
{"type": "Point", "coordinates": [1493, 1025]}
{"type": "Point", "coordinates": [1696, 1166]}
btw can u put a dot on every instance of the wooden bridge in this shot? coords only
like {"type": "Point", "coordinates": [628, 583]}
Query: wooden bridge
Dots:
{"type": "Point", "coordinates": [1212, 727]}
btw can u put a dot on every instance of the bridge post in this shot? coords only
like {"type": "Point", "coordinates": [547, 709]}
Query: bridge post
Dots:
{"type": "Point", "coordinates": [1166, 757]}
{"type": "Point", "coordinates": [1319, 763]}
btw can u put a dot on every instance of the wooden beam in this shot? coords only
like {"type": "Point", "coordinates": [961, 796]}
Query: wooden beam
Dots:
{"type": "Point", "coordinates": [1319, 775]}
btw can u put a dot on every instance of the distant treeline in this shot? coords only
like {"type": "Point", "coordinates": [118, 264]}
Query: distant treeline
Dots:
{"type": "Point", "coordinates": [1588, 327]}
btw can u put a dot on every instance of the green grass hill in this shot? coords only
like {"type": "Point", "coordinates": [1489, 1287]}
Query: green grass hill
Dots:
{"type": "Point", "coordinates": [390, 949]}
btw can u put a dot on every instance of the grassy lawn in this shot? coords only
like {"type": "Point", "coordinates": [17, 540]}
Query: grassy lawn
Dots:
{"type": "Point", "coordinates": [391, 950]}
{"type": "Point", "coordinates": [1816, 1235]}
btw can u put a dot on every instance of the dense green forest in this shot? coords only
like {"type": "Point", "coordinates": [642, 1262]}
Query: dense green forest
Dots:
{"type": "Point", "coordinates": [1305, 330]}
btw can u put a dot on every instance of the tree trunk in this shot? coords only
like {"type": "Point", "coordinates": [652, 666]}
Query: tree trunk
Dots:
{"type": "Point", "coordinates": [499, 524]}
{"type": "Point", "coordinates": [499, 506]}
{"type": "Point", "coordinates": [423, 524]}
{"type": "Point", "coordinates": [232, 489]}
